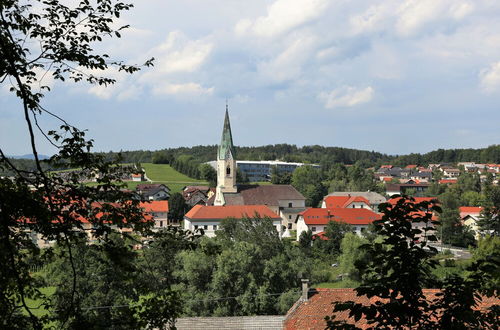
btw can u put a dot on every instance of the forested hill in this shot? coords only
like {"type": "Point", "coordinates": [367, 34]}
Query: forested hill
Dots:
{"type": "Point", "coordinates": [307, 154]}
{"type": "Point", "coordinates": [320, 155]}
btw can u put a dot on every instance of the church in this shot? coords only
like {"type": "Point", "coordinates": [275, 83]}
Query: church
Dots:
{"type": "Point", "coordinates": [284, 202]}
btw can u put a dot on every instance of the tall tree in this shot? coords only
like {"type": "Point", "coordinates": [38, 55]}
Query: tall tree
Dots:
{"type": "Point", "coordinates": [177, 207]}
{"type": "Point", "coordinates": [65, 34]}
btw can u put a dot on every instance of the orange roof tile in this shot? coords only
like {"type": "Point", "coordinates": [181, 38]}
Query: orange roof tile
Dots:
{"type": "Point", "coordinates": [445, 181]}
{"type": "Point", "coordinates": [321, 216]}
{"type": "Point", "coordinates": [155, 206]}
{"type": "Point", "coordinates": [200, 212]}
{"type": "Point", "coordinates": [344, 201]}
{"type": "Point", "coordinates": [393, 201]}
{"type": "Point", "coordinates": [311, 314]}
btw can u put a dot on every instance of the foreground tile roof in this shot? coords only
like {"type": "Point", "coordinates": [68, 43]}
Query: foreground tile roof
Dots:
{"type": "Point", "coordinates": [310, 314]}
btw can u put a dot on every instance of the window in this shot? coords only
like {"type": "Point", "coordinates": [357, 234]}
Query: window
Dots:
{"type": "Point", "coordinates": [161, 223]}
{"type": "Point", "coordinates": [228, 171]}
{"type": "Point", "coordinates": [214, 227]}
{"type": "Point", "coordinates": [289, 217]}
{"type": "Point", "coordinates": [195, 226]}
{"type": "Point", "coordinates": [205, 227]}
{"type": "Point", "coordinates": [289, 226]}
{"type": "Point", "coordinates": [313, 228]}
{"type": "Point", "coordinates": [290, 205]}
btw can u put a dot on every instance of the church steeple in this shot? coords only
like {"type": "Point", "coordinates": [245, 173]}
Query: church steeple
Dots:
{"type": "Point", "coordinates": [226, 164]}
{"type": "Point", "coordinates": [226, 147]}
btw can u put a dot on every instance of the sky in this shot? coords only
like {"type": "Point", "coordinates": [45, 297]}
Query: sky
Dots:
{"type": "Point", "coordinates": [393, 76]}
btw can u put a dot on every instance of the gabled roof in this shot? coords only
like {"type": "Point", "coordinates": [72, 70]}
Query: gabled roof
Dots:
{"type": "Point", "coordinates": [202, 212]}
{"type": "Point", "coordinates": [321, 216]}
{"type": "Point", "coordinates": [261, 195]}
{"type": "Point", "coordinates": [373, 197]}
{"type": "Point", "coordinates": [151, 186]}
{"type": "Point", "coordinates": [311, 314]}
{"type": "Point", "coordinates": [344, 201]}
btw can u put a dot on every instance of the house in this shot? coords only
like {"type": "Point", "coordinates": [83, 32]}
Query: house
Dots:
{"type": "Point", "coordinates": [316, 219]}
{"type": "Point", "coordinates": [421, 176]}
{"type": "Point", "coordinates": [310, 310]}
{"type": "Point", "coordinates": [345, 202]}
{"type": "Point", "coordinates": [373, 198]}
{"type": "Point", "coordinates": [153, 191]}
{"type": "Point", "coordinates": [400, 188]}
{"type": "Point", "coordinates": [470, 216]}
{"type": "Point", "coordinates": [194, 195]}
{"type": "Point", "coordinates": [158, 210]}
{"type": "Point", "coordinates": [138, 177]}
{"type": "Point", "coordinates": [420, 225]}
{"type": "Point", "coordinates": [283, 200]}
{"type": "Point", "coordinates": [451, 172]}
{"type": "Point", "coordinates": [208, 218]}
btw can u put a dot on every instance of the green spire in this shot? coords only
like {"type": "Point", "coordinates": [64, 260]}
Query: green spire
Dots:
{"type": "Point", "coordinates": [226, 148]}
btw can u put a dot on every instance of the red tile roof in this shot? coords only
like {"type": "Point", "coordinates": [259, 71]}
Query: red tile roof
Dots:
{"type": "Point", "coordinates": [411, 166]}
{"type": "Point", "coordinates": [311, 314]}
{"type": "Point", "coordinates": [200, 212]}
{"type": "Point", "coordinates": [469, 210]}
{"type": "Point", "coordinates": [446, 181]}
{"type": "Point", "coordinates": [344, 201]}
{"type": "Point", "coordinates": [393, 201]}
{"type": "Point", "coordinates": [154, 206]}
{"type": "Point", "coordinates": [321, 216]}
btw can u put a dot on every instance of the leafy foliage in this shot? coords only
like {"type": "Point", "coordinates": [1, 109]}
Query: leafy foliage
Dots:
{"type": "Point", "coordinates": [399, 267]}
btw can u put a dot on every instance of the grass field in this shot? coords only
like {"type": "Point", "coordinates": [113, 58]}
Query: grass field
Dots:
{"type": "Point", "coordinates": [163, 173]}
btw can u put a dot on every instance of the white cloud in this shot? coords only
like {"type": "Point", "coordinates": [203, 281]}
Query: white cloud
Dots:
{"type": "Point", "coordinates": [282, 16]}
{"type": "Point", "coordinates": [346, 96]}
{"type": "Point", "coordinates": [177, 54]}
{"type": "Point", "coordinates": [288, 64]}
{"type": "Point", "coordinates": [187, 89]}
{"type": "Point", "coordinates": [490, 78]}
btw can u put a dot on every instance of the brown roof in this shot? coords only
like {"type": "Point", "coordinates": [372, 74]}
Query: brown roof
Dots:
{"type": "Point", "coordinates": [261, 195]}
{"type": "Point", "coordinates": [311, 314]}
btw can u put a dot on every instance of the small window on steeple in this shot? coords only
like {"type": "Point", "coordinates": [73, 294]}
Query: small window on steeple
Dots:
{"type": "Point", "coordinates": [228, 171]}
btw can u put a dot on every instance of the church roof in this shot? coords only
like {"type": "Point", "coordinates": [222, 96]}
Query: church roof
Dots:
{"type": "Point", "coordinates": [261, 195]}
{"type": "Point", "coordinates": [226, 147]}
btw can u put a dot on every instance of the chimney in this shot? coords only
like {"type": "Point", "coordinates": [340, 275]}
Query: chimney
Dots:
{"type": "Point", "coordinates": [305, 289]}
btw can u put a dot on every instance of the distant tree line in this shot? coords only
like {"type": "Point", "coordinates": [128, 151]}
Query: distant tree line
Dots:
{"type": "Point", "coordinates": [324, 156]}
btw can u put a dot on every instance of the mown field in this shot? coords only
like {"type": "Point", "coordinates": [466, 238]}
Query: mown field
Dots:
{"type": "Point", "coordinates": [163, 173]}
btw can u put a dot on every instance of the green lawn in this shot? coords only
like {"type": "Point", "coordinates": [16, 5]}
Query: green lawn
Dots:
{"type": "Point", "coordinates": [163, 173]}
{"type": "Point", "coordinates": [35, 306]}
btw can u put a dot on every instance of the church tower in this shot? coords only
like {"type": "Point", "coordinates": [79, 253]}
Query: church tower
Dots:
{"type": "Point", "coordinates": [226, 164]}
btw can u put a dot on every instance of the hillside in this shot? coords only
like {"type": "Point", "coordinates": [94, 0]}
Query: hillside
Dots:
{"type": "Point", "coordinates": [163, 173]}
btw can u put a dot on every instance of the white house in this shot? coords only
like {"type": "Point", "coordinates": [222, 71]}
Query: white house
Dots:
{"type": "Point", "coordinates": [159, 212]}
{"type": "Point", "coordinates": [208, 218]}
{"type": "Point", "coordinates": [316, 219]}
